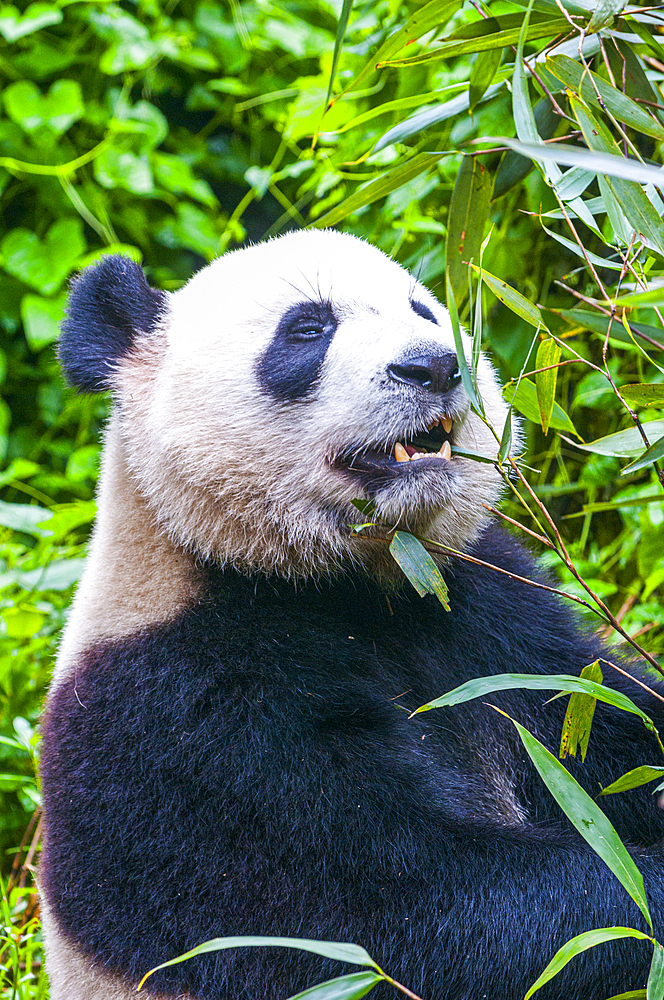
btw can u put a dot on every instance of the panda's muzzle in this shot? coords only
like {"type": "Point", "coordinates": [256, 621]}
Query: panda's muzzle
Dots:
{"type": "Point", "coordinates": [428, 449]}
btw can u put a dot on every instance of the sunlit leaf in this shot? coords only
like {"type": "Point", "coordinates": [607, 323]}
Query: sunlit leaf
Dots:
{"type": "Point", "coordinates": [379, 188]}
{"type": "Point", "coordinates": [652, 298]}
{"type": "Point", "coordinates": [588, 819]}
{"type": "Point", "coordinates": [25, 517]}
{"type": "Point", "coordinates": [655, 987]}
{"type": "Point", "coordinates": [466, 374]}
{"type": "Point", "coordinates": [548, 354]}
{"type": "Point", "coordinates": [512, 299]}
{"type": "Point", "coordinates": [579, 716]}
{"type": "Point", "coordinates": [352, 953]}
{"type": "Point", "coordinates": [468, 213]}
{"type": "Point", "coordinates": [650, 455]}
{"type": "Point", "coordinates": [351, 987]}
{"type": "Point", "coordinates": [643, 394]}
{"type": "Point", "coordinates": [416, 563]}
{"type": "Point", "coordinates": [342, 24]}
{"type": "Point", "coordinates": [430, 116]}
{"type": "Point", "coordinates": [633, 779]}
{"type": "Point", "coordinates": [577, 945]}
{"type": "Point", "coordinates": [598, 323]}
{"type": "Point", "coordinates": [483, 72]}
{"type": "Point", "coordinates": [525, 400]}
{"type": "Point", "coordinates": [623, 444]}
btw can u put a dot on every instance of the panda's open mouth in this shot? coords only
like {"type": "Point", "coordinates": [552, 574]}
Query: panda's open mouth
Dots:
{"type": "Point", "coordinates": [428, 449]}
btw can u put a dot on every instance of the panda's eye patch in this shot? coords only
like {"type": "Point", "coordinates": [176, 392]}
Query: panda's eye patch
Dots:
{"type": "Point", "coordinates": [291, 364]}
{"type": "Point", "coordinates": [423, 311]}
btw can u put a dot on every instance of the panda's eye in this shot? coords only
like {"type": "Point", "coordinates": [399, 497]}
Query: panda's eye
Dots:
{"type": "Point", "coordinates": [309, 332]}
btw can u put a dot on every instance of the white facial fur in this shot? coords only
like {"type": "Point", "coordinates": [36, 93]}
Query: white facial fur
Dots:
{"type": "Point", "coordinates": [234, 474]}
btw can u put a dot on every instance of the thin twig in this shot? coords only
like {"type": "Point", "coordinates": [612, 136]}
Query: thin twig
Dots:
{"type": "Point", "coordinates": [517, 524]}
{"type": "Point", "coordinates": [631, 677]}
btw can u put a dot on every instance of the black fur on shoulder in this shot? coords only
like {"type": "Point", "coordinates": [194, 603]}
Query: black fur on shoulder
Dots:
{"type": "Point", "coordinates": [110, 304]}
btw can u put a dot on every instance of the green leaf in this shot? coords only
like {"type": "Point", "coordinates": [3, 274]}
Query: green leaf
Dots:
{"type": "Point", "coordinates": [577, 945]}
{"type": "Point", "coordinates": [58, 575]}
{"type": "Point", "coordinates": [652, 454]}
{"type": "Point", "coordinates": [116, 169]}
{"type": "Point", "coordinates": [633, 779]}
{"type": "Point", "coordinates": [416, 563]}
{"type": "Point", "coordinates": [579, 716]}
{"type": "Point", "coordinates": [351, 987]}
{"type": "Point", "coordinates": [57, 110]}
{"type": "Point", "coordinates": [655, 987]}
{"type": "Point", "coordinates": [548, 353]}
{"type": "Point", "coordinates": [467, 378]}
{"type": "Point", "coordinates": [41, 319]}
{"type": "Point", "coordinates": [483, 72]}
{"type": "Point", "coordinates": [584, 82]}
{"type": "Point", "coordinates": [632, 995]}
{"type": "Point", "coordinates": [176, 175]}
{"type": "Point", "coordinates": [379, 188]}
{"type": "Point", "coordinates": [430, 116]}
{"type": "Point", "coordinates": [653, 298]}
{"type": "Point", "coordinates": [44, 264]}
{"type": "Point", "coordinates": [25, 517]}
{"type": "Point", "coordinates": [604, 14]}
{"type": "Point", "coordinates": [346, 8]}
{"type": "Point", "coordinates": [643, 394]}
{"type": "Point", "coordinates": [469, 210]}
{"type": "Point", "coordinates": [512, 299]}
{"type": "Point", "coordinates": [352, 953]}
{"type": "Point", "coordinates": [14, 25]}
{"type": "Point", "coordinates": [525, 400]}
{"type": "Point", "coordinates": [630, 195]}
{"type": "Point", "coordinates": [622, 444]}
{"type": "Point", "coordinates": [480, 686]}
{"type": "Point", "coordinates": [597, 323]}
{"type": "Point", "coordinates": [588, 819]}
{"type": "Point", "coordinates": [513, 167]}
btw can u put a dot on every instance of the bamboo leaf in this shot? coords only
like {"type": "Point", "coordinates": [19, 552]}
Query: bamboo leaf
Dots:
{"type": "Point", "coordinates": [379, 188]}
{"type": "Point", "coordinates": [414, 560]}
{"type": "Point", "coordinates": [466, 375]}
{"type": "Point", "coordinates": [577, 945]}
{"type": "Point", "coordinates": [587, 85]}
{"type": "Point", "coordinates": [511, 298]}
{"type": "Point", "coordinates": [653, 298]}
{"type": "Point", "coordinates": [604, 14]}
{"type": "Point", "coordinates": [646, 394]}
{"type": "Point", "coordinates": [346, 9]}
{"type": "Point", "coordinates": [483, 72]}
{"type": "Point", "coordinates": [622, 444]}
{"type": "Point", "coordinates": [597, 323]}
{"type": "Point", "coordinates": [652, 454]}
{"type": "Point", "coordinates": [632, 995]}
{"type": "Point", "coordinates": [525, 400]}
{"type": "Point", "coordinates": [633, 779]}
{"type": "Point", "coordinates": [480, 686]}
{"type": "Point", "coordinates": [513, 167]}
{"type": "Point", "coordinates": [468, 213]}
{"type": "Point", "coordinates": [352, 953]}
{"type": "Point", "coordinates": [579, 716]}
{"type": "Point", "coordinates": [588, 819]}
{"type": "Point", "coordinates": [402, 104]}
{"type": "Point", "coordinates": [548, 353]}
{"type": "Point", "coordinates": [655, 985]}
{"type": "Point", "coordinates": [351, 987]}
{"type": "Point", "coordinates": [430, 116]}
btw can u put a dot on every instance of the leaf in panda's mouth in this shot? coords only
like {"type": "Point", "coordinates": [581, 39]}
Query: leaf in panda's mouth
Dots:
{"type": "Point", "coordinates": [433, 443]}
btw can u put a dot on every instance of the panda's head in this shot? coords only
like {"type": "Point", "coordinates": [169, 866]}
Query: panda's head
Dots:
{"type": "Point", "coordinates": [281, 383]}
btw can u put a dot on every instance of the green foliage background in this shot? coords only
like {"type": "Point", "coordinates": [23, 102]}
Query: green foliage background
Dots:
{"type": "Point", "coordinates": [173, 131]}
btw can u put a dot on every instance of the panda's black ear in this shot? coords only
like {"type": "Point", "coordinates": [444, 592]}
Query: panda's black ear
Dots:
{"type": "Point", "coordinates": [110, 304]}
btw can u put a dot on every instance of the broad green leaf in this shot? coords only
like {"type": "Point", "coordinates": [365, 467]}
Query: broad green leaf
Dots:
{"type": "Point", "coordinates": [632, 995]}
{"type": "Point", "coordinates": [577, 945]}
{"type": "Point", "coordinates": [579, 716]}
{"type": "Point", "coordinates": [512, 299]}
{"type": "Point", "coordinates": [14, 24]}
{"type": "Point", "coordinates": [548, 353]}
{"type": "Point", "coordinates": [430, 116]}
{"type": "Point", "coordinates": [604, 14]}
{"type": "Point", "coordinates": [598, 323]}
{"type": "Point", "coordinates": [652, 454]}
{"type": "Point", "coordinates": [576, 156]}
{"type": "Point", "coordinates": [434, 14]}
{"type": "Point", "coordinates": [342, 24]}
{"type": "Point", "coordinates": [352, 953]}
{"type": "Point", "coordinates": [57, 110]}
{"type": "Point", "coordinates": [416, 563]}
{"type": "Point", "coordinates": [633, 779]}
{"type": "Point", "coordinates": [41, 319]}
{"type": "Point", "coordinates": [623, 444]}
{"type": "Point", "coordinates": [643, 394]}
{"type": "Point", "coordinates": [584, 82]}
{"type": "Point", "coordinates": [524, 399]}
{"type": "Point", "coordinates": [44, 264]}
{"type": "Point", "coordinates": [513, 167]}
{"type": "Point", "coordinates": [28, 518]}
{"type": "Point", "coordinates": [466, 374]}
{"type": "Point", "coordinates": [630, 195]}
{"type": "Point", "coordinates": [58, 575]}
{"type": "Point", "coordinates": [22, 623]}
{"type": "Point", "coordinates": [480, 686]}
{"type": "Point", "coordinates": [351, 987]}
{"type": "Point", "coordinates": [611, 265]}
{"type": "Point", "coordinates": [467, 217]}
{"type": "Point", "coordinates": [653, 298]}
{"type": "Point", "coordinates": [588, 819]}
{"type": "Point", "coordinates": [402, 104]}
{"type": "Point", "coordinates": [379, 188]}
{"type": "Point", "coordinates": [459, 46]}
{"type": "Point", "coordinates": [483, 72]}
{"type": "Point", "coordinates": [655, 987]}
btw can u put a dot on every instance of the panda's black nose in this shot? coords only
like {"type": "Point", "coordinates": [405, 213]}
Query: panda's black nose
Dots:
{"type": "Point", "coordinates": [434, 372]}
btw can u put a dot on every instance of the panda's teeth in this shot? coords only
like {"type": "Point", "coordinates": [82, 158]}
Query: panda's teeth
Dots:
{"type": "Point", "coordinates": [446, 451]}
{"type": "Point", "coordinates": [447, 424]}
{"type": "Point", "coordinates": [400, 453]}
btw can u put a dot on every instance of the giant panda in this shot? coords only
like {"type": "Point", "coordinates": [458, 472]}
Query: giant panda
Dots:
{"type": "Point", "coordinates": [227, 745]}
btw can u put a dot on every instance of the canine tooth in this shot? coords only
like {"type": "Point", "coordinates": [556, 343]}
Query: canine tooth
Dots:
{"type": "Point", "coordinates": [432, 425]}
{"type": "Point", "coordinates": [446, 451]}
{"type": "Point", "coordinates": [447, 424]}
{"type": "Point", "coordinates": [400, 453]}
